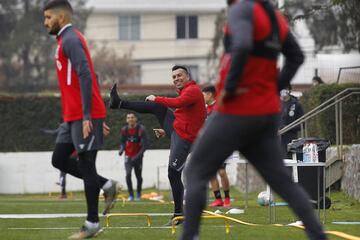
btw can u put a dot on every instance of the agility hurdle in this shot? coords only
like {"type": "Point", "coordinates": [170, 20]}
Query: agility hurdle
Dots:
{"type": "Point", "coordinates": [52, 194]}
{"type": "Point", "coordinates": [147, 216]}
{"type": "Point", "coordinates": [226, 222]}
{"type": "Point", "coordinates": [119, 196]}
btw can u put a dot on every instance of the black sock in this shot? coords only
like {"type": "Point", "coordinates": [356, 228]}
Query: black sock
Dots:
{"type": "Point", "coordinates": [227, 193]}
{"type": "Point", "coordinates": [177, 189]}
{"type": "Point", "coordinates": [217, 194]}
{"type": "Point", "coordinates": [87, 168]}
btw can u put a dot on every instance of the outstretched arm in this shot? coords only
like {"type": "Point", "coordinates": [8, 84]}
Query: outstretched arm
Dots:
{"type": "Point", "coordinates": [187, 98]}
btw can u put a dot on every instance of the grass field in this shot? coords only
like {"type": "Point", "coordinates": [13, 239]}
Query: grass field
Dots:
{"type": "Point", "coordinates": [343, 209]}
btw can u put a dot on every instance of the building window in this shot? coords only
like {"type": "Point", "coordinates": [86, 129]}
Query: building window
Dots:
{"type": "Point", "coordinates": [186, 27]}
{"type": "Point", "coordinates": [129, 28]}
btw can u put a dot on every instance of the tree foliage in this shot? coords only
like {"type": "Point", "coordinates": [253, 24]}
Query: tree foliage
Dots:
{"type": "Point", "coordinates": [26, 49]}
{"type": "Point", "coordinates": [114, 69]}
{"type": "Point", "coordinates": [331, 22]}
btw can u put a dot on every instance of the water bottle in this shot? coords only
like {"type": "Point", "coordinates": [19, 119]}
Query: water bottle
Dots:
{"type": "Point", "coordinates": [314, 153]}
{"type": "Point", "coordinates": [306, 153]}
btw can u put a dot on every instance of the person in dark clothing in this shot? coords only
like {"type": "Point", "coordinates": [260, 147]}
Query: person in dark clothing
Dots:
{"type": "Point", "coordinates": [246, 113]}
{"type": "Point", "coordinates": [316, 80]}
{"type": "Point", "coordinates": [291, 110]}
{"type": "Point", "coordinates": [83, 113]}
{"type": "Point", "coordinates": [181, 125]}
{"type": "Point", "coordinates": [134, 144]}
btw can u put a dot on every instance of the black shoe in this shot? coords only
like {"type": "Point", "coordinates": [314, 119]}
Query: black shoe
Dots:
{"type": "Point", "coordinates": [176, 222]}
{"type": "Point", "coordinates": [115, 100]}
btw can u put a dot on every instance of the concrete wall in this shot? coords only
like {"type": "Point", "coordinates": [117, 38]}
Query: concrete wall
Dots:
{"type": "Point", "coordinates": [350, 182]}
{"type": "Point", "coordinates": [32, 172]}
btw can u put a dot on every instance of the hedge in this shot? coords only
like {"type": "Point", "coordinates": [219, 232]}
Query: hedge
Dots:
{"type": "Point", "coordinates": [21, 119]}
{"type": "Point", "coordinates": [323, 125]}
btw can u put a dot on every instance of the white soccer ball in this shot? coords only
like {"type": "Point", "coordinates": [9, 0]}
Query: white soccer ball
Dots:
{"type": "Point", "coordinates": [263, 198]}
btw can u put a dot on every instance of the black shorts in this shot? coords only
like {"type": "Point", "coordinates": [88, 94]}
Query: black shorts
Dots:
{"type": "Point", "coordinates": [71, 132]}
{"type": "Point", "coordinates": [179, 151]}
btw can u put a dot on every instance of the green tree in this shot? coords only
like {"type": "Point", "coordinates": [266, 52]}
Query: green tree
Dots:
{"type": "Point", "coordinates": [112, 68]}
{"type": "Point", "coordinates": [26, 50]}
{"type": "Point", "coordinates": [331, 22]}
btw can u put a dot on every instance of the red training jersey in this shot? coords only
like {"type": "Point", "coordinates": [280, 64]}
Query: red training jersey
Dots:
{"type": "Point", "coordinates": [80, 94]}
{"type": "Point", "coordinates": [190, 112]}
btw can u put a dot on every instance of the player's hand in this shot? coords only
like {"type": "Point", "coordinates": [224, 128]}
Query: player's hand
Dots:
{"type": "Point", "coordinates": [150, 98]}
{"type": "Point", "coordinates": [121, 152]}
{"type": "Point", "coordinates": [87, 128]}
{"type": "Point", "coordinates": [159, 133]}
{"type": "Point", "coordinates": [106, 129]}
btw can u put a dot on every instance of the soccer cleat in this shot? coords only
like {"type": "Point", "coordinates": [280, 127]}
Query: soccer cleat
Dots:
{"type": "Point", "coordinates": [217, 203]}
{"type": "Point", "coordinates": [87, 232]}
{"type": "Point", "coordinates": [115, 100]}
{"type": "Point", "coordinates": [110, 196]}
{"type": "Point", "coordinates": [176, 222]}
{"type": "Point", "coordinates": [227, 202]}
{"type": "Point", "coordinates": [138, 197]}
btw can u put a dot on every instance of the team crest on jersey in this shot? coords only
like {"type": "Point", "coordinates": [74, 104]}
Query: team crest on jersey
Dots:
{"type": "Point", "coordinates": [57, 52]}
{"type": "Point", "coordinates": [58, 65]}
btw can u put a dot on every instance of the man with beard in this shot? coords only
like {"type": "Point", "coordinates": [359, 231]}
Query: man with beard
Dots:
{"type": "Point", "coordinates": [83, 113]}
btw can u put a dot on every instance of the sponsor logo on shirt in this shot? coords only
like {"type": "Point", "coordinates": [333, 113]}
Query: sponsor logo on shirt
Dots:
{"type": "Point", "coordinates": [58, 65]}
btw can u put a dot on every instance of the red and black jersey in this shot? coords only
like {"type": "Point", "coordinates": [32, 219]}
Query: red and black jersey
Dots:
{"type": "Point", "coordinates": [190, 110]}
{"type": "Point", "coordinates": [133, 140]}
{"type": "Point", "coordinates": [79, 88]}
{"type": "Point", "coordinates": [258, 34]}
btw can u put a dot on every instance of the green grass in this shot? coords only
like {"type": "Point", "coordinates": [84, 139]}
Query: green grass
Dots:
{"type": "Point", "coordinates": [343, 209]}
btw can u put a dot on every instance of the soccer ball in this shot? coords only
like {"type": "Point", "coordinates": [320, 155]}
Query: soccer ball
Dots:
{"type": "Point", "coordinates": [263, 198]}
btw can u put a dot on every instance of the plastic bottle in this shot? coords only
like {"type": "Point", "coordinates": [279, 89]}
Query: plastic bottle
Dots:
{"type": "Point", "coordinates": [314, 153]}
{"type": "Point", "coordinates": [306, 152]}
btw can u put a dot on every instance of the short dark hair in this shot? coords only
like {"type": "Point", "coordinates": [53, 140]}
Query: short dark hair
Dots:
{"type": "Point", "coordinates": [131, 113]}
{"type": "Point", "coordinates": [176, 67]}
{"type": "Point", "coordinates": [209, 89]}
{"type": "Point", "coordinates": [62, 4]}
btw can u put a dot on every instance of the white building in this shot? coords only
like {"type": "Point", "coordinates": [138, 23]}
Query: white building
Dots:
{"type": "Point", "coordinates": [158, 33]}
{"type": "Point", "coordinates": [162, 33]}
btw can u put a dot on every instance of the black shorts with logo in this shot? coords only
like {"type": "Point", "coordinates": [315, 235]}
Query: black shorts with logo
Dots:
{"type": "Point", "coordinates": [71, 132]}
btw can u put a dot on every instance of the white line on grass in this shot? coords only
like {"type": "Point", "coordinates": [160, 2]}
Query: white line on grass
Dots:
{"type": "Point", "coordinates": [69, 228]}
{"type": "Point", "coordinates": [62, 215]}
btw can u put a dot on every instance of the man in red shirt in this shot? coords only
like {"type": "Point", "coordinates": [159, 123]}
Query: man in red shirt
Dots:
{"type": "Point", "coordinates": [247, 112]}
{"type": "Point", "coordinates": [181, 125]}
{"type": "Point", "coordinates": [134, 144]}
{"type": "Point", "coordinates": [83, 113]}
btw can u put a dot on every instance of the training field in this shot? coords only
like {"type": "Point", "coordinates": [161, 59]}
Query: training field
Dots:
{"type": "Point", "coordinates": [343, 209]}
